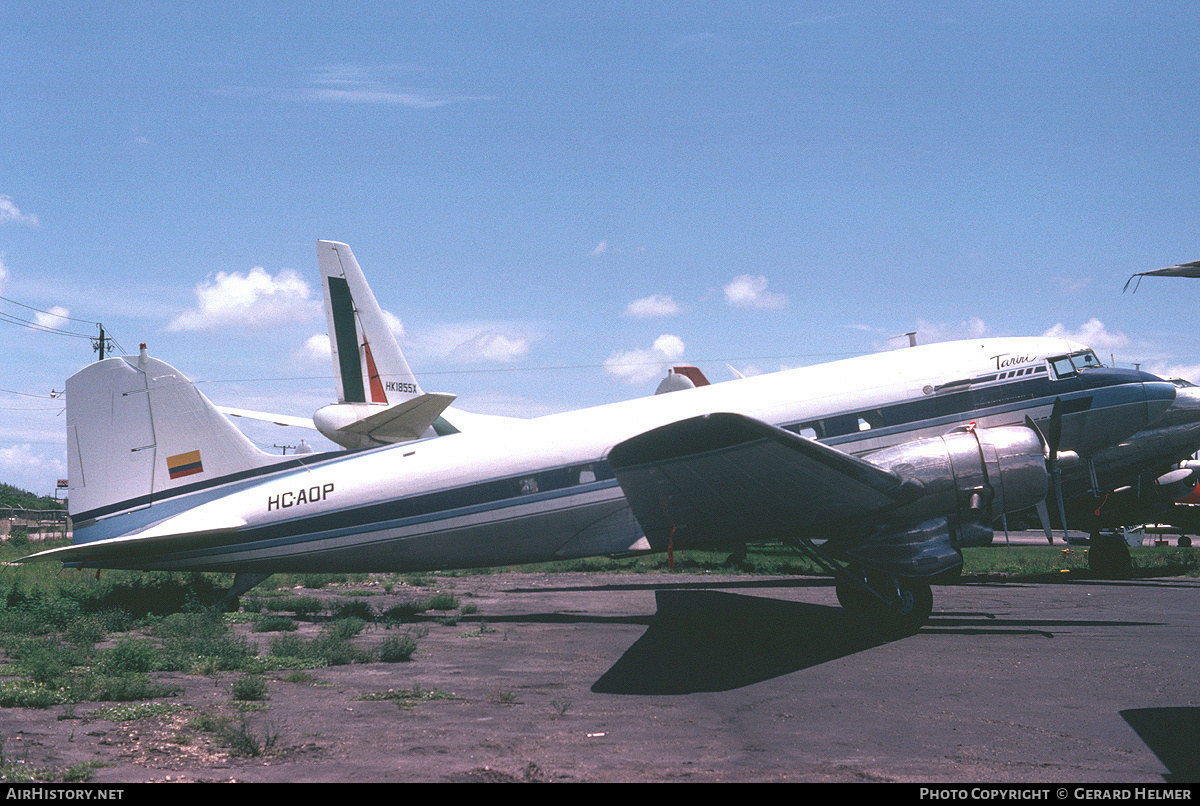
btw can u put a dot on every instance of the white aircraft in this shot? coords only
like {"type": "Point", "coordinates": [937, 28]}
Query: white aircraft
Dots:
{"type": "Point", "coordinates": [920, 451]}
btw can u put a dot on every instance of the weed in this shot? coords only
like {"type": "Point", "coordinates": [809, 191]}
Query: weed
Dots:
{"type": "Point", "coordinates": [406, 697]}
{"type": "Point", "coordinates": [443, 601]}
{"type": "Point", "coordinates": [201, 641]}
{"type": "Point", "coordinates": [405, 612]}
{"type": "Point", "coordinates": [266, 622]}
{"type": "Point", "coordinates": [140, 710]}
{"type": "Point", "coordinates": [129, 656]}
{"type": "Point", "coordinates": [397, 648]}
{"type": "Point", "coordinates": [482, 629]}
{"type": "Point", "coordinates": [250, 688]}
{"type": "Point", "coordinates": [127, 688]}
{"type": "Point", "coordinates": [345, 628]}
{"type": "Point", "coordinates": [307, 606]}
{"type": "Point", "coordinates": [328, 649]}
{"type": "Point", "coordinates": [242, 742]}
{"type": "Point", "coordinates": [355, 609]}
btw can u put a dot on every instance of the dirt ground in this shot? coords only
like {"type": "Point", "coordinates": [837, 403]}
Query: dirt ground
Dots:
{"type": "Point", "coordinates": [610, 678]}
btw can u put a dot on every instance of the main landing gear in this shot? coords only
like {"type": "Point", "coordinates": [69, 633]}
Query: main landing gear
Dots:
{"type": "Point", "coordinates": [898, 606]}
{"type": "Point", "coordinates": [894, 605]}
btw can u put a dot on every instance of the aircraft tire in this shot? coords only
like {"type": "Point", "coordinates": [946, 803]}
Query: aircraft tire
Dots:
{"type": "Point", "coordinates": [914, 609]}
{"type": "Point", "coordinates": [916, 604]}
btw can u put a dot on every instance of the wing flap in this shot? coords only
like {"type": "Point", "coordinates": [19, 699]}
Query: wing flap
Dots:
{"type": "Point", "coordinates": [724, 478]}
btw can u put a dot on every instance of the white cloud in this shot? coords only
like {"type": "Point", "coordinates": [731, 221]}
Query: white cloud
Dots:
{"type": "Point", "coordinates": [639, 366]}
{"type": "Point", "coordinates": [1073, 285]}
{"type": "Point", "coordinates": [652, 306]}
{"type": "Point", "coordinates": [601, 248]}
{"type": "Point", "coordinates": [490, 345]}
{"type": "Point", "coordinates": [394, 324]}
{"type": "Point", "coordinates": [255, 299]}
{"type": "Point", "coordinates": [56, 317]}
{"type": "Point", "coordinates": [976, 327]}
{"type": "Point", "coordinates": [379, 85]}
{"type": "Point", "coordinates": [1164, 369]}
{"type": "Point", "coordinates": [317, 349]}
{"type": "Point", "coordinates": [1092, 333]}
{"type": "Point", "coordinates": [9, 212]}
{"type": "Point", "coordinates": [474, 342]}
{"type": "Point", "coordinates": [3, 273]}
{"type": "Point", "coordinates": [750, 291]}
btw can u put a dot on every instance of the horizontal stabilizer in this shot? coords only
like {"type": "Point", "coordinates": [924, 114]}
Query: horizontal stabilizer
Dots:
{"type": "Point", "coordinates": [726, 478]}
{"type": "Point", "coordinates": [404, 421]}
{"type": "Point", "coordinates": [268, 417]}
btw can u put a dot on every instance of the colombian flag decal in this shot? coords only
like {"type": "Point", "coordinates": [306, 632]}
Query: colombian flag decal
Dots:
{"type": "Point", "coordinates": [184, 464]}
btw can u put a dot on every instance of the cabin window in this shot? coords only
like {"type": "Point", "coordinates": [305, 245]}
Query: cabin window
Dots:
{"type": "Point", "coordinates": [870, 419]}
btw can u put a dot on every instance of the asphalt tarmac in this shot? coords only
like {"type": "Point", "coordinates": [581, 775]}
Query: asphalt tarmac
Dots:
{"type": "Point", "coordinates": [706, 678]}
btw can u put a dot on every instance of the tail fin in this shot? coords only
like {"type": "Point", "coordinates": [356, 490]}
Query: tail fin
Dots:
{"type": "Point", "coordinates": [370, 367]}
{"type": "Point", "coordinates": [137, 428]}
{"type": "Point", "coordinates": [380, 401]}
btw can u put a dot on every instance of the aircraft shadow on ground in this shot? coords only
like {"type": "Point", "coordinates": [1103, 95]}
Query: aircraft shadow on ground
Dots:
{"type": "Point", "coordinates": [702, 640]}
{"type": "Point", "coordinates": [1170, 735]}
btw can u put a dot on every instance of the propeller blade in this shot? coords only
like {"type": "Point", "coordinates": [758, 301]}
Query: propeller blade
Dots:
{"type": "Point", "coordinates": [1053, 438]}
{"type": "Point", "coordinates": [1044, 517]}
{"type": "Point", "coordinates": [1062, 512]}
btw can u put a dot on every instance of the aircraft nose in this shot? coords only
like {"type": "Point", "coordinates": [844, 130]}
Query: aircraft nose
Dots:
{"type": "Point", "coordinates": [1186, 408]}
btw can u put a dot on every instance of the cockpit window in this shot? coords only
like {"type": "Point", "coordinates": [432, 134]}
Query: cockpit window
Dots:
{"type": "Point", "coordinates": [1067, 365]}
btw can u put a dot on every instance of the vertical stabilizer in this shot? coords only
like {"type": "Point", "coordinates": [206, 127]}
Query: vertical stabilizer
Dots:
{"type": "Point", "coordinates": [380, 401]}
{"type": "Point", "coordinates": [370, 367]}
{"type": "Point", "coordinates": [136, 427]}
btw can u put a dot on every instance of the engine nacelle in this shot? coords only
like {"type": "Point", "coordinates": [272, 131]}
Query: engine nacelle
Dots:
{"type": "Point", "coordinates": [978, 473]}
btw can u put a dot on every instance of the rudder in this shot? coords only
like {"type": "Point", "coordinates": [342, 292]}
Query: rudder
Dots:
{"type": "Point", "coordinates": [137, 427]}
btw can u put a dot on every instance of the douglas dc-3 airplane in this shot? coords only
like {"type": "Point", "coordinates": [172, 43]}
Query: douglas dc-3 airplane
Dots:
{"type": "Point", "coordinates": [380, 402]}
{"type": "Point", "coordinates": [920, 451]}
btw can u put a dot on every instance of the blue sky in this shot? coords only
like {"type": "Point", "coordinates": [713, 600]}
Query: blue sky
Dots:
{"type": "Point", "coordinates": [559, 200]}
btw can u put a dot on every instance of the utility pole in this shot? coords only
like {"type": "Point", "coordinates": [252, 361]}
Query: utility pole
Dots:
{"type": "Point", "coordinates": [102, 342]}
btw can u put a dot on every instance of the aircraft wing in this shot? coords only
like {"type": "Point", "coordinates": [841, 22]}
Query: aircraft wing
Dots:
{"type": "Point", "coordinates": [725, 478]}
{"type": "Point", "coordinates": [404, 421]}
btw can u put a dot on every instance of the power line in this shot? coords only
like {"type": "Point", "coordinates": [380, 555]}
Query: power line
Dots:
{"type": "Point", "coordinates": [48, 313]}
{"type": "Point", "coordinates": [100, 343]}
{"type": "Point", "coordinates": [38, 326]}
